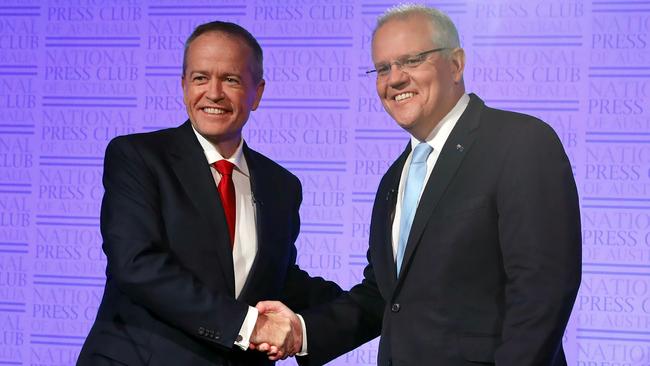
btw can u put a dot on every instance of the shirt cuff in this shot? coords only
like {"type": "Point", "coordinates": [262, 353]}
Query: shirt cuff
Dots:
{"type": "Point", "coordinates": [243, 340]}
{"type": "Point", "coordinates": [303, 350]}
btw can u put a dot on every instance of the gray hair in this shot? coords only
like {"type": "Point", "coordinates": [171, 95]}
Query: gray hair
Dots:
{"type": "Point", "coordinates": [446, 35]}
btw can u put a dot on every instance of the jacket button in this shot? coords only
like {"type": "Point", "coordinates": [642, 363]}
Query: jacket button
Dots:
{"type": "Point", "coordinates": [201, 331]}
{"type": "Point", "coordinates": [394, 308]}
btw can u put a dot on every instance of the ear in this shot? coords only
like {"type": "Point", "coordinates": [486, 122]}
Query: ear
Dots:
{"type": "Point", "coordinates": [184, 87]}
{"type": "Point", "coordinates": [457, 64]}
{"type": "Point", "coordinates": [259, 90]}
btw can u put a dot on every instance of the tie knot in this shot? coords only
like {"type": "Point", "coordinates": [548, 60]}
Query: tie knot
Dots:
{"type": "Point", "coordinates": [224, 167]}
{"type": "Point", "coordinates": [421, 153]}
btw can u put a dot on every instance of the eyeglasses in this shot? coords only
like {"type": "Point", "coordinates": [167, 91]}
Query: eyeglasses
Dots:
{"type": "Point", "coordinates": [407, 61]}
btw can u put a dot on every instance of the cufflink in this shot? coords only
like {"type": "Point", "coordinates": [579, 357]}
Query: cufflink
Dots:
{"type": "Point", "coordinates": [239, 338]}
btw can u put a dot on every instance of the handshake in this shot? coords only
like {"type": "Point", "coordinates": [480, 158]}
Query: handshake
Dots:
{"type": "Point", "coordinates": [277, 332]}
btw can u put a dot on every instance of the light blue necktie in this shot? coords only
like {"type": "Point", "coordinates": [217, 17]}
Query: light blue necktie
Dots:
{"type": "Point", "coordinates": [412, 189]}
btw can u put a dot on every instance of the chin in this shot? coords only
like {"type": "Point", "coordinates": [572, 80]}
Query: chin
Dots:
{"type": "Point", "coordinates": [405, 126]}
{"type": "Point", "coordinates": [405, 123]}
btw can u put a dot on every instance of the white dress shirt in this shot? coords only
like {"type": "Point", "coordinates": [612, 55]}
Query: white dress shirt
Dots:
{"type": "Point", "coordinates": [436, 140]}
{"type": "Point", "coordinates": [245, 247]}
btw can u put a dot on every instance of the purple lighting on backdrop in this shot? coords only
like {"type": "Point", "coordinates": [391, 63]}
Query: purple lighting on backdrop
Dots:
{"type": "Point", "coordinates": [74, 74]}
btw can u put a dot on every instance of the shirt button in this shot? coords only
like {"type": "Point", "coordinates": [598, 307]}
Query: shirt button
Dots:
{"type": "Point", "coordinates": [394, 308]}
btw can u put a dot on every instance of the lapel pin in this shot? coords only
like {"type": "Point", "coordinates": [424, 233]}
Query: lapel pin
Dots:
{"type": "Point", "coordinates": [460, 147]}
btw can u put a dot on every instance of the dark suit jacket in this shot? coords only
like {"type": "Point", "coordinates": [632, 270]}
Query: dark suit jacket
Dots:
{"type": "Point", "coordinates": [169, 295]}
{"type": "Point", "coordinates": [492, 263]}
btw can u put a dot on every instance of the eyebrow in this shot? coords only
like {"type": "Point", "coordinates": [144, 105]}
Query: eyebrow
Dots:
{"type": "Point", "coordinates": [221, 74]}
{"type": "Point", "coordinates": [192, 72]}
{"type": "Point", "coordinates": [401, 57]}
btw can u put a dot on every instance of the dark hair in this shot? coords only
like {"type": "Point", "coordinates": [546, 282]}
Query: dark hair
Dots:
{"type": "Point", "coordinates": [234, 30]}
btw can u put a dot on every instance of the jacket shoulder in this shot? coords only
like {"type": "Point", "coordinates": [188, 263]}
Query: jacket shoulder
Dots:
{"type": "Point", "coordinates": [154, 139]}
{"type": "Point", "coordinates": [513, 120]}
{"type": "Point", "coordinates": [275, 170]}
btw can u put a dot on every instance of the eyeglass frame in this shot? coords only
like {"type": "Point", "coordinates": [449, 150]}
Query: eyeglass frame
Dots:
{"type": "Point", "coordinates": [401, 62]}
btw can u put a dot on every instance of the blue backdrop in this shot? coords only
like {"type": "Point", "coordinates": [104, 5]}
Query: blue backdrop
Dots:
{"type": "Point", "coordinates": [75, 73]}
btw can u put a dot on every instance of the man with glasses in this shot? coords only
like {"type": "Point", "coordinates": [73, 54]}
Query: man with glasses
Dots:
{"type": "Point", "coordinates": [475, 243]}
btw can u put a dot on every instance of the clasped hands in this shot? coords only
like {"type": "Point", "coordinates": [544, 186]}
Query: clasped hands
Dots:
{"type": "Point", "coordinates": [277, 332]}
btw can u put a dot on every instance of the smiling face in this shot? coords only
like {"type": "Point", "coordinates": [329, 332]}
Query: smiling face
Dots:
{"type": "Point", "coordinates": [219, 90]}
{"type": "Point", "coordinates": [417, 98]}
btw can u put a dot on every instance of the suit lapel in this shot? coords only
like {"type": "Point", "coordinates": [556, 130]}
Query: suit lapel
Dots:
{"type": "Point", "coordinates": [261, 201]}
{"type": "Point", "coordinates": [191, 168]}
{"type": "Point", "coordinates": [455, 149]}
{"type": "Point", "coordinates": [391, 190]}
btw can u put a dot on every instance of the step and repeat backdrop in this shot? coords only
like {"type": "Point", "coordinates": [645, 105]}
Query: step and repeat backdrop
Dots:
{"type": "Point", "coordinates": [76, 73]}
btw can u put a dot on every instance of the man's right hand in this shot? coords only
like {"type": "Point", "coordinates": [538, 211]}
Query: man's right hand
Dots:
{"type": "Point", "coordinates": [278, 331]}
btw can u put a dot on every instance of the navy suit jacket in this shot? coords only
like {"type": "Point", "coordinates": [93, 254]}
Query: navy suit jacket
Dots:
{"type": "Point", "coordinates": [169, 295]}
{"type": "Point", "coordinates": [492, 263]}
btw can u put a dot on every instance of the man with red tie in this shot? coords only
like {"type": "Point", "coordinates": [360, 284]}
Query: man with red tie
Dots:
{"type": "Point", "coordinates": [198, 227]}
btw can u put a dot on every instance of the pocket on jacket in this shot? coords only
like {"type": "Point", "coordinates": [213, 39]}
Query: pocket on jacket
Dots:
{"type": "Point", "coordinates": [121, 349]}
{"type": "Point", "coordinates": [479, 348]}
{"type": "Point", "coordinates": [465, 206]}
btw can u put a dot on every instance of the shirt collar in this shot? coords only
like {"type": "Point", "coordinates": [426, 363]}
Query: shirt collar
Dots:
{"type": "Point", "coordinates": [441, 132]}
{"type": "Point", "coordinates": [212, 155]}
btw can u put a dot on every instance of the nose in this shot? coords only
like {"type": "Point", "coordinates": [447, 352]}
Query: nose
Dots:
{"type": "Point", "coordinates": [215, 90]}
{"type": "Point", "coordinates": [396, 77]}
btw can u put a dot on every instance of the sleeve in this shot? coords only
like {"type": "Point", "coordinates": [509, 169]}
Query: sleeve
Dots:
{"type": "Point", "coordinates": [302, 291]}
{"type": "Point", "coordinates": [344, 324]}
{"type": "Point", "coordinates": [540, 239]}
{"type": "Point", "coordinates": [247, 328]}
{"type": "Point", "coordinates": [321, 301]}
{"type": "Point", "coordinates": [354, 317]}
{"type": "Point", "coordinates": [303, 348]}
{"type": "Point", "coordinates": [139, 262]}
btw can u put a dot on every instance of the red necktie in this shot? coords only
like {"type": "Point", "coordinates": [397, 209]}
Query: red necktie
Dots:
{"type": "Point", "coordinates": [227, 193]}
